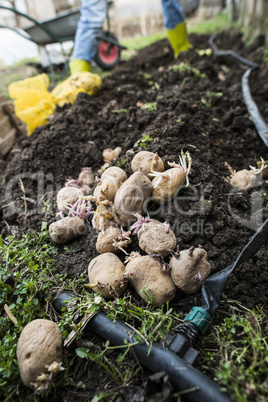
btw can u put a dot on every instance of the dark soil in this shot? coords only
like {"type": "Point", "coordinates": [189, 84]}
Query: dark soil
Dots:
{"type": "Point", "coordinates": [204, 115]}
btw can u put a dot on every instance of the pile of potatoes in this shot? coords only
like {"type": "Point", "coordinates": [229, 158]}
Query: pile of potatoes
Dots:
{"type": "Point", "coordinates": [120, 204]}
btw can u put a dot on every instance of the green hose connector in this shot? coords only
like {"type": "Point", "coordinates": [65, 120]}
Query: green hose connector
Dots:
{"type": "Point", "coordinates": [199, 317]}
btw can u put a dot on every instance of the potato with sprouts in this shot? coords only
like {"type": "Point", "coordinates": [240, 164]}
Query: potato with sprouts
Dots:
{"type": "Point", "coordinates": [109, 183]}
{"type": "Point", "coordinates": [146, 162]}
{"type": "Point", "coordinates": [86, 177]}
{"type": "Point", "coordinates": [110, 154]}
{"type": "Point", "coordinates": [147, 277]}
{"type": "Point", "coordinates": [245, 179]}
{"type": "Point", "coordinates": [105, 274]}
{"type": "Point", "coordinates": [154, 237]}
{"type": "Point", "coordinates": [166, 184]}
{"type": "Point", "coordinates": [113, 239]}
{"type": "Point", "coordinates": [39, 354]}
{"type": "Point", "coordinates": [66, 229]}
{"type": "Point", "coordinates": [189, 269]}
{"type": "Point", "coordinates": [130, 198]}
{"type": "Point", "coordinates": [67, 197]}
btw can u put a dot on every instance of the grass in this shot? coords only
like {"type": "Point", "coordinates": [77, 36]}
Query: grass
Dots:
{"type": "Point", "coordinates": [239, 347]}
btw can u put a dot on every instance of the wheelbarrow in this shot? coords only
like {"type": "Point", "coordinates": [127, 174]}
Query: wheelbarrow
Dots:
{"type": "Point", "coordinates": [62, 28]}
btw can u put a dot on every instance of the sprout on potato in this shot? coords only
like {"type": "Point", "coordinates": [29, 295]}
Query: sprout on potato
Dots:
{"type": "Point", "coordinates": [146, 162]}
{"type": "Point", "coordinates": [130, 198]}
{"type": "Point", "coordinates": [166, 184]}
{"type": "Point", "coordinates": [154, 236]}
{"type": "Point", "coordinates": [245, 179]}
{"type": "Point", "coordinates": [105, 274]}
{"type": "Point", "coordinates": [39, 354]}
{"type": "Point", "coordinates": [66, 229]}
{"type": "Point", "coordinates": [147, 277]}
{"type": "Point", "coordinates": [189, 269]}
{"type": "Point", "coordinates": [113, 239]}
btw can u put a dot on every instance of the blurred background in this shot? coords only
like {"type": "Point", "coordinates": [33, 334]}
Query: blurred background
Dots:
{"type": "Point", "coordinates": [129, 18]}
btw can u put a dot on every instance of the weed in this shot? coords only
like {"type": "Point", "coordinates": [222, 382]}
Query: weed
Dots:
{"type": "Point", "coordinates": [240, 350]}
{"type": "Point", "coordinates": [120, 111]}
{"type": "Point", "coordinates": [150, 106]}
{"type": "Point", "coordinates": [205, 102]}
{"type": "Point", "coordinates": [121, 162]}
{"type": "Point", "coordinates": [265, 195]}
{"type": "Point", "coordinates": [143, 141]}
{"type": "Point", "coordinates": [26, 275]}
{"type": "Point", "coordinates": [183, 68]}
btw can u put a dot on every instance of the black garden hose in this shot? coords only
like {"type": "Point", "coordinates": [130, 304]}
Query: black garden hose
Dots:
{"type": "Point", "coordinates": [194, 385]}
{"type": "Point", "coordinates": [253, 110]}
{"type": "Point", "coordinates": [229, 53]}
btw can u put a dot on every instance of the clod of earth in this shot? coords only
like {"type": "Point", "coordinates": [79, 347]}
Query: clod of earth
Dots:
{"type": "Point", "coordinates": [105, 274]}
{"type": "Point", "coordinates": [156, 237]}
{"type": "Point", "coordinates": [66, 229]}
{"type": "Point", "coordinates": [39, 354]}
{"type": "Point", "coordinates": [146, 161]}
{"type": "Point", "coordinates": [131, 197]}
{"type": "Point", "coordinates": [189, 269]}
{"type": "Point", "coordinates": [147, 277]}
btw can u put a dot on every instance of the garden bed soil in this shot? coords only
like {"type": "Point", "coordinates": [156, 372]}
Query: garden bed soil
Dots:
{"type": "Point", "coordinates": [201, 111]}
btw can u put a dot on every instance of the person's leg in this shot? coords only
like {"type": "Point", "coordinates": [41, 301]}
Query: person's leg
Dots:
{"type": "Point", "coordinates": [93, 13]}
{"type": "Point", "coordinates": [175, 25]}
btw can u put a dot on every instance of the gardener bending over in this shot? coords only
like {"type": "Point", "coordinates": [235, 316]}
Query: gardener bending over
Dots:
{"type": "Point", "coordinates": [93, 14]}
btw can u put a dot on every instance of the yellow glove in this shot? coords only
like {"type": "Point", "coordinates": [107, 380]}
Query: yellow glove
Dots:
{"type": "Point", "coordinates": [178, 39]}
{"type": "Point", "coordinates": [79, 66]}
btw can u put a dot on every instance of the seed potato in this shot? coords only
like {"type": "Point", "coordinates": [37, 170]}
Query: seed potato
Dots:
{"type": "Point", "coordinates": [86, 177]}
{"type": "Point", "coordinates": [67, 197]}
{"type": "Point", "coordinates": [146, 161]}
{"type": "Point", "coordinates": [154, 238]}
{"type": "Point", "coordinates": [105, 273]}
{"type": "Point", "coordinates": [39, 345]}
{"type": "Point", "coordinates": [145, 273]}
{"type": "Point", "coordinates": [189, 270]}
{"type": "Point", "coordinates": [165, 187]}
{"type": "Point", "coordinates": [110, 154]}
{"type": "Point", "coordinates": [106, 240]}
{"type": "Point", "coordinates": [131, 197]}
{"type": "Point", "coordinates": [66, 229]}
{"type": "Point", "coordinates": [244, 179]}
{"type": "Point", "coordinates": [116, 173]}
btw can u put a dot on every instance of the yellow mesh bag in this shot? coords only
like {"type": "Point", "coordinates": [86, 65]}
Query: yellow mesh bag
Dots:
{"type": "Point", "coordinates": [67, 91]}
{"type": "Point", "coordinates": [33, 103]}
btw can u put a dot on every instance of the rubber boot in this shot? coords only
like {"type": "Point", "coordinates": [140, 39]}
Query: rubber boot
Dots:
{"type": "Point", "coordinates": [178, 39]}
{"type": "Point", "coordinates": [78, 66]}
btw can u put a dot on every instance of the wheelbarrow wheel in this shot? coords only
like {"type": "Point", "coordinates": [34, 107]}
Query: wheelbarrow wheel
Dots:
{"type": "Point", "coordinates": [108, 54]}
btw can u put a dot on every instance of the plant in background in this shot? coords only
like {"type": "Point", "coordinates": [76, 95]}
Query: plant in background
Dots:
{"type": "Point", "coordinates": [150, 106]}
{"type": "Point", "coordinates": [143, 141]}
